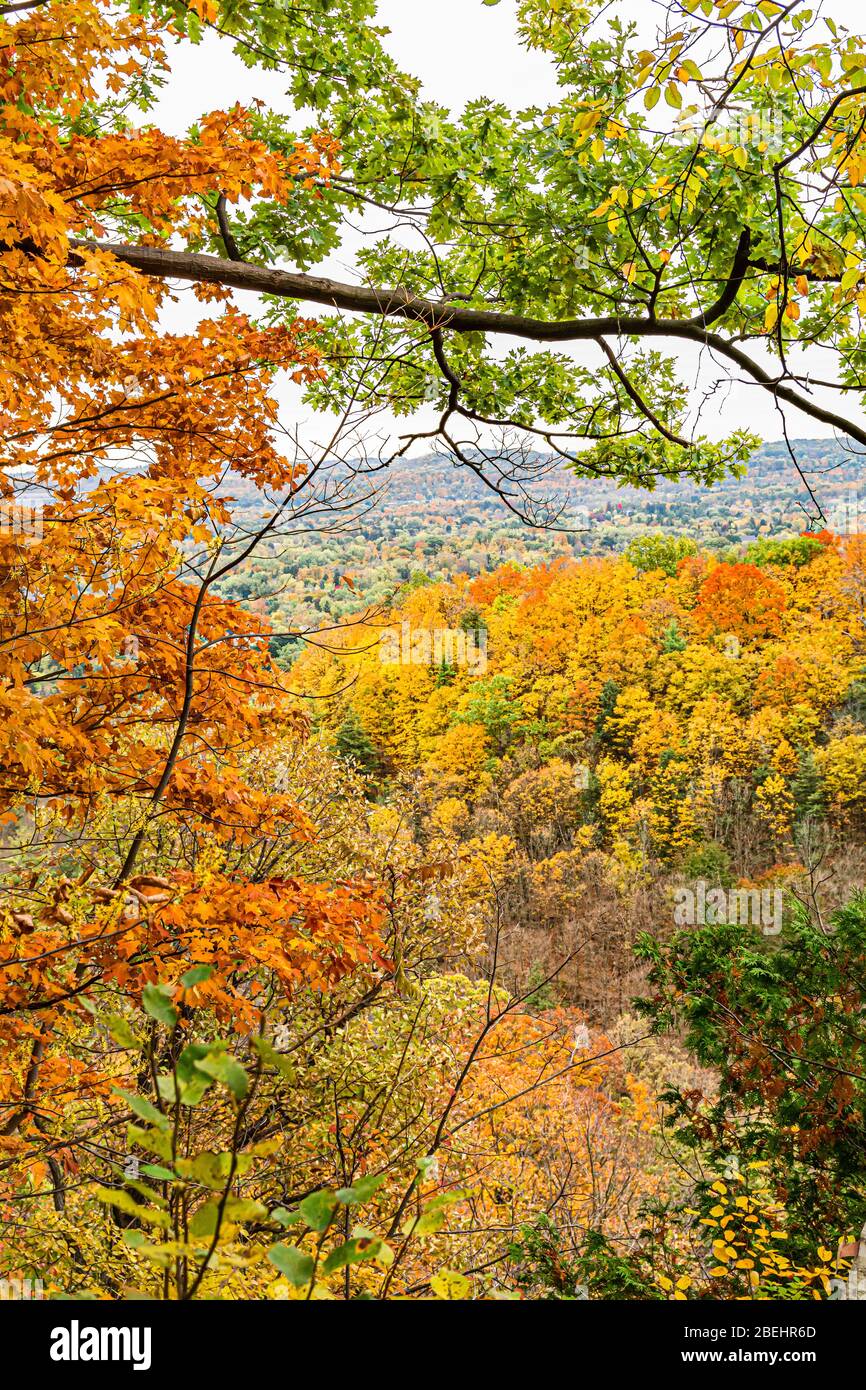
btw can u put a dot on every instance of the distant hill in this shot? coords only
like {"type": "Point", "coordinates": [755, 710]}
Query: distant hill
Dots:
{"type": "Point", "coordinates": [432, 492]}
{"type": "Point", "coordinates": [773, 492]}
{"type": "Point", "coordinates": [432, 519]}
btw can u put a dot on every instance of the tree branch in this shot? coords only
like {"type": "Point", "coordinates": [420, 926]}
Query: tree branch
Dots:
{"type": "Point", "coordinates": [398, 302]}
{"type": "Point", "coordinates": [225, 230]}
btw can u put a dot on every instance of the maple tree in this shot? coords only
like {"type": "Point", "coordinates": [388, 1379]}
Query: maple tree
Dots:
{"type": "Point", "coordinates": [131, 693]}
{"type": "Point", "coordinates": [741, 600]}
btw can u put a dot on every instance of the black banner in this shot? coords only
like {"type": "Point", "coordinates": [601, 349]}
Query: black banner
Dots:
{"type": "Point", "coordinates": [66, 1339]}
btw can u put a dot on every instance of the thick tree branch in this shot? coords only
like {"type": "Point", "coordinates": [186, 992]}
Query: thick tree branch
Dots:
{"type": "Point", "coordinates": [395, 302]}
{"type": "Point", "coordinates": [400, 303]}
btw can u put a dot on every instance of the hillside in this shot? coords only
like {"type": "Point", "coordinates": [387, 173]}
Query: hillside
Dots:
{"type": "Point", "coordinates": [429, 518]}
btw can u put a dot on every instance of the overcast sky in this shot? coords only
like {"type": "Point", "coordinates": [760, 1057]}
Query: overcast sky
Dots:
{"type": "Point", "coordinates": [462, 49]}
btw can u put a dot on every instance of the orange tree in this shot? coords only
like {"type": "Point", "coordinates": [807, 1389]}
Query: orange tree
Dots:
{"type": "Point", "coordinates": [138, 848]}
{"type": "Point", "coordinates": [130, 692]}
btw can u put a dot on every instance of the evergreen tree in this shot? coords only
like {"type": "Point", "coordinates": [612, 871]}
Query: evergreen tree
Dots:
{"type": "Point", "coordinates": [606, 707]}
{"type": "Point", "coordinates": [353, 745]}
{"type": "Point", "coordinates": [445, 673]}
{"type": "Point", "coordinates": [673, 640]}
{"type": "Point", "coordinates": [807, 788]}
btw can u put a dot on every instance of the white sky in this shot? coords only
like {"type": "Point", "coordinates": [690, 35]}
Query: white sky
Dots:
{"type": "Point", "coordinates": [462, 49]}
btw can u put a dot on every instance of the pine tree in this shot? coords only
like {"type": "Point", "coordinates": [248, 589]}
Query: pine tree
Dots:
{"type": "Point", "coordinates": [807, 788]}
{"type": "Point", "coordinates": [606, 707]}
{"type": "Point", "coordinates": [445, 674]}
{"type": "Point", "coordinates": [673, 640]}
{"type": "Point", "coordinates": [353, 745]}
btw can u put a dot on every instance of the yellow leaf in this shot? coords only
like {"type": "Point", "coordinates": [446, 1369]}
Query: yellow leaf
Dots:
{"type": "Point", "coordinates": [450, 1284]}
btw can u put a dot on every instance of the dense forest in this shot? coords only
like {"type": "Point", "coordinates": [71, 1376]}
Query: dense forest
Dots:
{"type": "Point", "coordinates": [431, 519]}
{"type": "Point", "coordinates": [432, 722]}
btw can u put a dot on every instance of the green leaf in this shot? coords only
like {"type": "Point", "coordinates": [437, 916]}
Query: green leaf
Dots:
{"type": "Point", "coordinates": [318, 1210]}
{"type": "Point", "coordinates": [146, 1192]}
{"type": "Point", "coordinates": [210, 1169]}
{"type": "Point", "coordinates": [196, 976]}
{"type": "Point", "coordinates": [269, 1054]}
{"type": "Point", "coordinates": [433, 1215]}
{"type": "Point", "coordinates": [235, 1209]}
{"type": "Point", "coordinates": [154, 1141]}
{"type": "Point", "coordinates": [245, 1209]}
{"type": "Point", "coordinates": [192, 1083]}
{"type": "Point", "coordinates": [157, 1002]}
{"type": "Point", "coordinates": [122, 1200]}
{"type": "Point", "coordinates": [356, 1250]}
{"type": "Point", "coordinates": [204, 1219]}
{"type": "Point", "coordinates": [166, 1087]}
{"type": "Point", "coordinates": [121, 1033]}
{"type": "Point", "coordinates": [286, 1217]}
{"type": "Point", "coordinates": [144, 1109]}
{"type": "Point", "coordinates": [360, 1191]}
{"type": "Point", "coordinates": [296, 1265]}
{"type": "Point", "coordinates": [155, 1170]}
{"type": "Point", "coordinates": [223, 1067]}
